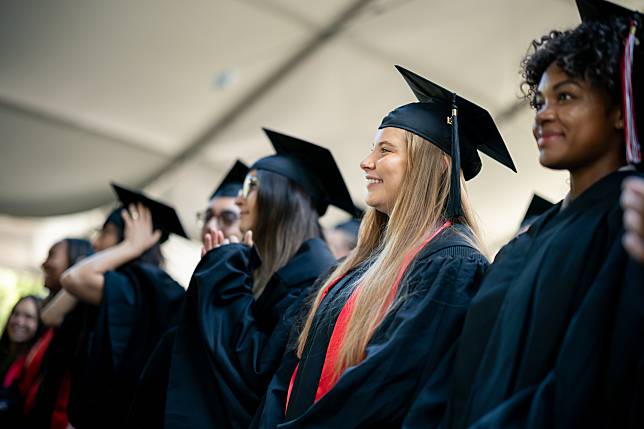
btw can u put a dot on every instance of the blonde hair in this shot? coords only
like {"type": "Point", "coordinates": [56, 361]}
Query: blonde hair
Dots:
{"type": "Point", "coordinates": [418, 212]}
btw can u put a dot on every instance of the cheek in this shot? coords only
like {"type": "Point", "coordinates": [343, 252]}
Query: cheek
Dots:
{"type": "Point", "coordinates": [33, 325]}
{"type": "Point", "coordinates": [395, 172]}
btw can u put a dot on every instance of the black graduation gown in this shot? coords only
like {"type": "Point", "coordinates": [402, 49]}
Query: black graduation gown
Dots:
{"type": "Point", "coordinates": [228, 345]}
{"type": "Point", "coordinates": [140, 303]}
{"type": "Point", "coordinates": [554, 339]}
{"type": "Point", "coordinates": [409, 357]}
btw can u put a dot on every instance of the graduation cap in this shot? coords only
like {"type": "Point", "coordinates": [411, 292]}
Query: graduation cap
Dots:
{"type": "Point", "coordinates": [164, 217]}
{"type": "Point", "coordinates": [538, 206]}
{"type": "Point", "coordinates": [232, 183]}
{"type": "Point", "coordinates": [455, 125]}
{"type": "Point", "coordinates": [310, 166]}
{"type": "Point", "coordinates": [632, 58]}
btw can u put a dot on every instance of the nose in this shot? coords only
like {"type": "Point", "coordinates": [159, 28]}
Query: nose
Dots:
{"type": "Point", "coordinates": [368, 163]}
{"type": "Point", "coordinates": [545, 114]}
{"type": "Point", "coordinates": [239, 200]}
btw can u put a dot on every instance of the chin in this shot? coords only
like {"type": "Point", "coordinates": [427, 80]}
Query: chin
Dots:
{"type": "Point", "coordinates": [552, 162]}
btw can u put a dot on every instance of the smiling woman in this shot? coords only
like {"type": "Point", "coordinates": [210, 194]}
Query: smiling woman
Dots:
{"type": "Point", "coordinates": [384, 324]}
{"type": "Point", "coordinates": [554, 337]}
{"type": "Point", "coordinates": [19, 335]}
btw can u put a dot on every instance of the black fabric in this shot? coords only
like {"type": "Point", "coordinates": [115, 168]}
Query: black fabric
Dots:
{"type": "Point", "coordinates": [140, 303]}
{"type": "Point", "coordinates": [429, 119]}
{"type": "Point", "coordinates": [164, 217]}
{"type": "Point", "coordinates": [408, 360]}
{"type": "Point", "coordinates": [228, 345]}
{"type": "Point", "coordinates": [231, 184]}
{"type": "Point", "coordinates": [148, 405]}
{"type": "Point", "coordinates": [554, 337]}
{"type": "Point", "coordinates": [310, 166]}
{"type": "Point", "coordinates": [60, 358]}
{"type": "Point", "coordinates": [310, 366]}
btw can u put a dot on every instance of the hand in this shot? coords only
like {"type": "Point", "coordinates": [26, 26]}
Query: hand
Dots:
{"type": "Point", "coordinates": [215, 238]}
{"type": "Point", "coordinates": [633, 204]}
{"type": "Point", "coordinates": [138, 233]}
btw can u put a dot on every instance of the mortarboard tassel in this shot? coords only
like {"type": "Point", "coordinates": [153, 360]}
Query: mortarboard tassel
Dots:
{"type": "Point", "coordinates": [633, 149]}
{"type": "Point", "coordinates": [454, 209]}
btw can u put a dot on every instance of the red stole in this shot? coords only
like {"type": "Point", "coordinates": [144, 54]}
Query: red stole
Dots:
{"type": "Point", "coordinates": [328, 378]}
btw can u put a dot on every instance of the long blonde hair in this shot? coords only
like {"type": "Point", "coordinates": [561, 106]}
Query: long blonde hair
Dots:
{"type": "Point", "coordinates": [418, 212]}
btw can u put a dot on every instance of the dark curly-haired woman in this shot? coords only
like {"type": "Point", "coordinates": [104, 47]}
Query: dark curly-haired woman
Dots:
{"type": "Point", "coordinates": [554, 337]}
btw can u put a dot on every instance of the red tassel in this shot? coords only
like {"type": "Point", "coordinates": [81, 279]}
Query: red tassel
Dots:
{"type": "Point", "coordinates": [633, 149]}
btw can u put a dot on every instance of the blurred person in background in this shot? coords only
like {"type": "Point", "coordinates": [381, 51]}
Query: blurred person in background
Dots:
{"type": "Point", "coordinates": [221, 214]}
{"type": "Point", "coordinates": [22, 330]}
{"type": "Point", "coordinates": [343, 237]}
{"type": "Point", "coordinates": [136, 302]}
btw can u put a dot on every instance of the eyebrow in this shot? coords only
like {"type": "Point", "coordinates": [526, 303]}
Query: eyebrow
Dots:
{"type": "Point", "coordinates": [384, 142]}
{"type": "Point", "coordinates": [558, 86]}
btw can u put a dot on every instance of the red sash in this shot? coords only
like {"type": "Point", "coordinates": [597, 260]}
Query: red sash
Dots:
{"type": "Point", "coordinates": [328, 378]}
{"type": "Point", "coordinates": [14, 371]}
{"type": "Point", "coordinates": [30, 378]}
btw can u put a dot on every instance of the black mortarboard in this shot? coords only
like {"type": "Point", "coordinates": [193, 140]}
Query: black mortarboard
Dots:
{"type": "Point", "coordinates": [164, 217]}
{"type": "Point", "coordinates": [310, 166]}
{"type": "Point", "coordinates": [435, 117]}
{"type": "Point", "coordinates": [232, 183]}
{"type": "Point", "coordinates": [538, 205]}
{"type": "Point", "coordinates": [632, 62]}
{"type": "Point", "coordinates": [600, 10]}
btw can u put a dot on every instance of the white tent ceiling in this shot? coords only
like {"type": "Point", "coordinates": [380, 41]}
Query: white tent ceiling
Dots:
{"type": "Point", "coordinates": [166, 94]}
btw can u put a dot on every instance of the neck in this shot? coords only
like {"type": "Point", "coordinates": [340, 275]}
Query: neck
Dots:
{"type": "Point", "coordinates": [584, 177]}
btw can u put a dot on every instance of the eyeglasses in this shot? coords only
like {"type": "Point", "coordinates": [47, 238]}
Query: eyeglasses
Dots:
{"type": "Point", "coordinates": [225, 219]}
{"type": "Point", "coordinates": [250, 184]}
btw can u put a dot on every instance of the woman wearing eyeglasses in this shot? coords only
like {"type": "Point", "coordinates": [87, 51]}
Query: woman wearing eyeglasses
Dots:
{"type": "Point", "coordinates": [243, 297]}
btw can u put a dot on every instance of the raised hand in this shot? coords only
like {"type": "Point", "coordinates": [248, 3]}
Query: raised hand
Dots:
{"type": "Point", "coordinates": [139, 233]}
{"type": "Point", "coordinates": [215, 238]}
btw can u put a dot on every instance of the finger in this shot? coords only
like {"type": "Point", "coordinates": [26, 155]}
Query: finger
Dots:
{"type": "Point", "coordinates": [127, 219]}
{"type": "Point", "coordinates": [632, 200]}
{"type": "Point", "coordinates": [633, 222]}
{"type": "Point", "coordinates": [220, 237]}
{"type": "Point", "coordinates": [207, 242]}
{"type": "Point", "coordinates": [248, 238]}
{"type": "Point", "coordinates": [134, 213]}
{"type": "Point", "coordinates": [635, 184]}
{"type": "Point", "coordinates": [203, 252]}
{"type": "Point", "coordinates": [634, 245]}
{"type": "Point", "coordinates": [156, 236]}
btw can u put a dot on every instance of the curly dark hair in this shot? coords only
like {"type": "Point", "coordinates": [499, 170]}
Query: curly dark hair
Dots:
{"type": "Point", "coordinates": [592, 51]}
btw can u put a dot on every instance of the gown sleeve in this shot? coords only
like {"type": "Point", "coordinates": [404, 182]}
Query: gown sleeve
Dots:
{"type": "Point", "coordinates": [226, 351]}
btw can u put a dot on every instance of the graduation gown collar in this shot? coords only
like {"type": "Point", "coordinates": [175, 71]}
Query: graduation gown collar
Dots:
{"type": "Point", "coordinates": [600, 194]}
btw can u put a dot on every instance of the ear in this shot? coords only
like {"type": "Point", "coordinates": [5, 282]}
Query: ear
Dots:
{"type": "Point", "coordinates": [617, 118]}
